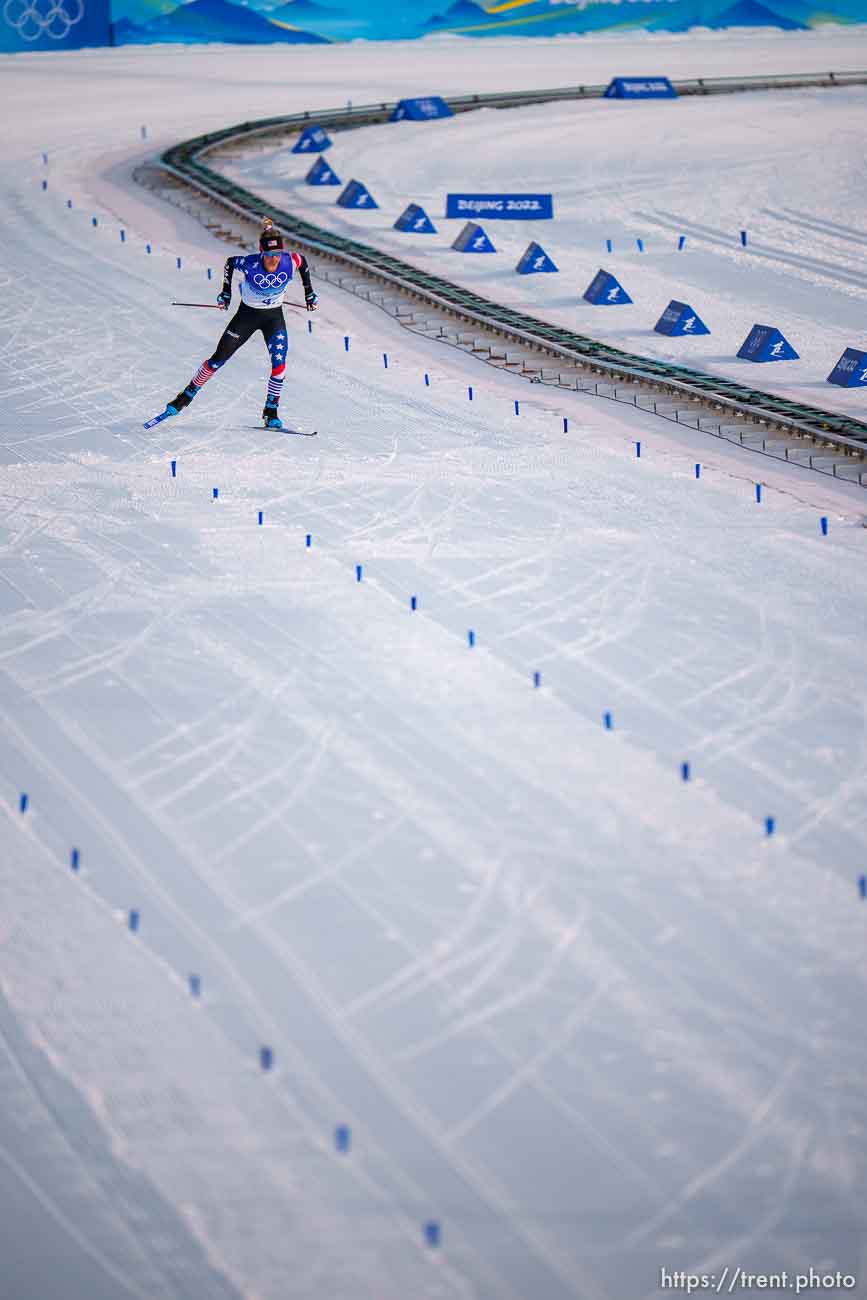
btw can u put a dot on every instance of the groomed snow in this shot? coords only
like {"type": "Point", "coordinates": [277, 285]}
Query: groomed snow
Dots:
{"type": "Point", "coordinates": [587, 1016]}
{"type": "Point", "coordinates": [704, 169]}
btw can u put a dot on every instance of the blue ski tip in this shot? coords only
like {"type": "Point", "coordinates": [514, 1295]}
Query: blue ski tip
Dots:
{"type": "Point", "coordinates": [158, 419]}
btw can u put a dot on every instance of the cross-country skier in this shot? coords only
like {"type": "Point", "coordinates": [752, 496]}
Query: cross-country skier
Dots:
{"type": "Point", "coordinates": [264, 278]}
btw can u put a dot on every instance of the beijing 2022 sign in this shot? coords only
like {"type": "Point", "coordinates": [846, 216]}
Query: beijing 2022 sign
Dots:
{"type": "Point", "coordinates": [501, 207]}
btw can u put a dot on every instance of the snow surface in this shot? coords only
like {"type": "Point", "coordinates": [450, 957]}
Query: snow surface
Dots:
{"type": "Point", "coordinates": [705, 169]}
{"type": "Point", "coordinates": [587, 1016]}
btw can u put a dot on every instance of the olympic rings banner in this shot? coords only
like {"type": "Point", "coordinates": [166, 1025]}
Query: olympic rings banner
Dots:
{"type": "Point", "coordinates": [53, 24]}
{"type": "Point", "coordinates": [47, 24]}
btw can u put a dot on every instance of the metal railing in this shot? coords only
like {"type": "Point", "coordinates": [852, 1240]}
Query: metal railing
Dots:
{"type": "Point", "coordinates": [184, 161]}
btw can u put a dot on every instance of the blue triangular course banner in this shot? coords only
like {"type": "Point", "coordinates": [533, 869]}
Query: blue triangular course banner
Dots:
{"type": "Point", "coordinates": [851, 370]}
{"type": "Point", "coordinates": [312, 140]}
{"type": "Point", "coordinates": [421, 110]}
{"type": "Point", "coordinates": [356, 195]}
{"type": "Point", "coordinates": [534, 258]}
{"type": "Point", "coordinates": [473, 239]}
{"type": "Point", "coordinates": [640, 88]}
{"type": "Point", "coordinates": [416, 220]}
{"type": "Point", "coordinates": [605, 290]}
{"type": "Point", "coordinates": [766, 343]}
{"type": "Point", "coordinates": [321, 174]}
{"type": "Point", "coordinates": [679, 318]}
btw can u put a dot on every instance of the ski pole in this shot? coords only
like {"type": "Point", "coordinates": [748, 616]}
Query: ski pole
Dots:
{"type": "Point", "coordinates": [299, 306]}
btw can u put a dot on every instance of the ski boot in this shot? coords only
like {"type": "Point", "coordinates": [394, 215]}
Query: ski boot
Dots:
{"type": "Point", "coordinates": [175, 406]}
{"type": "Point", "coordinates": [182, 400]}
{"type": "Point", "coordinates": [271, 418]}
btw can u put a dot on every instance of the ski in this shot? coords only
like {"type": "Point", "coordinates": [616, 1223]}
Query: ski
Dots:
{"type": "Point", "coordinates": [158, 419]}
{"type": "Point", "coordinates": [298, 433]}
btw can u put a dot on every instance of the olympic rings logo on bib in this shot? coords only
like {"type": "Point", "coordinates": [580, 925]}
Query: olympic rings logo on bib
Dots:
{"type": "Point", "coordinates": [35, 18]}
{"type": "Point", "coordinates": [270, 281]}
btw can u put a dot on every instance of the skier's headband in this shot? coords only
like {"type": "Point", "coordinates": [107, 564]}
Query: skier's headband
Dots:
{"type": "Point", "coordinates": [271, 243]}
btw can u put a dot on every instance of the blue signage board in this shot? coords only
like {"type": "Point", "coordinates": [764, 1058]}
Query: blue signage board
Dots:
{"type": "Point", "coordinates": [473, 239]}
{"type": "Point", "coordinates": [321, 174]}
{"type": "Point", "coordinates": [415, 219]}
{"type": "Point", "coordinates": [766, 343]}
{"type": "Point", "coordinates": [312, 140]}
{"type": "Point", "coordinates": [533, 259]}
{"type": "Point", "coordinates": [679, 319]}
{"type": "Point", "coordinates": [356, 195]}
{"type": "Point", "coordinates": [605, 290]}
{"type": "Point", "coordinates": [50, 25]}
{"type": "Point", "coordinates": [851, 370]}
{"type": "Point", "coordinates": [421, 110]}
{"type": "Point", "coordinates": [501, 207]}
{"type": "Point", "coordinates": [640, 88]}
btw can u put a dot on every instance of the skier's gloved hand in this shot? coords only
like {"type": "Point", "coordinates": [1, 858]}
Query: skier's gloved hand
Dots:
{"type": "Point", "coordinates": [223, 300]}
{"type": "Point", "coordinates": [311, 299]}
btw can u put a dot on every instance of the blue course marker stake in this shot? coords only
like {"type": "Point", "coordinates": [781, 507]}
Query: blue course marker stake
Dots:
{"type": "Point", "coordinates": [144, 133]}
{"type": "Point", "coordinates": [427, 380]}
{"type": "Point", "coordinates": [94, 221]}
{"type": "Point", "coordinates": [744, 238]}
{"type": "Point", "coordinates": [45, 159]}
{"type": "Point", "coordinates": [69, 203]}
{"type": "Point", "coordinates": [470, 394]}
{"type": "Point", "coordinates": [824, 525]}
{"type": "Point", "coordinates": [385, 361]}
{"type": "Point", "coordinates": [195, 986]}
{"type": "Point", "coordinates": [179, 264]}
{"type": "Point", "coordinates": [517, 408]}
{"type": "Point", "coordinates": [640, 243]}
{"type": "Point", "coordinates": [209, 273]}
{"type": "Point", "coordinates": [22, 802]}
{"type": "Point", "coordinates": [174, 469]}
{"type": "Point", "coordinates": [698, 471]}
{"type": "Point", "coordinates": [609, 246]}
{"type": "Point", "coordinates": [216, 492]}
{"type": "Point", "coordinates": [308, 541]}
{"type": "Point", "coordinates": [770, 825]}
{"type": "Point", "coordinates": [608, 721]}
{"type": "Point", "coordinates": [358, 571]}
{"type": "Point", "coordinates": [45, 185]}
{"type": "Point", "coordinates": [261, 517]}
{"type": "Point", "coordinates": [310, 327]}
{"type": "Point", "coordinates": [565, 424]}
{"type": "Point", "coordinates": [74, 860]}
{"type": "Point", "coordinates": [413, 602]}
{"type": "Point", "coordinates": [123, 236]}
{"type": "Point", "coordinates": [684, 771]}
{"type": "Point", "coordinates": [432, 1233]}
{"type": "Point", "coordinates": [133, 920]}
{"type": "Point", "coordinates": [342, 1137]}
{"type": "Point", "coordinates": [681, 240]}
{"type": "Point", "coordinates": [471, 638]}
{"type": "Point", "coordinates": [147, 248]}
{"type": "Point", "coordinates": [266, 1058]}
{"type": "Point", "coordinates": [537, 679]}
{"type": "Point", "coordinates": [759, 493]}
{"type": "Point", "coordinates": [346, 343]}
{"type": "Point", "coordinates": [862, 886]}
{"type": "Point", "coordinates": [638, 450]}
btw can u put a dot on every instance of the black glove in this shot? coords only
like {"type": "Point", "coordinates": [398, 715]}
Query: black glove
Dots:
{"type": "Point", "coordinates": [223, 300]}
{"type": "Point", "coordinates": [310, 299]}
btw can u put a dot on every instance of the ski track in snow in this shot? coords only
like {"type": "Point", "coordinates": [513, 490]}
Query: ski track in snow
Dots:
{"type": "Point", "coordinates": [583, 1012]}
{"type": "Point", "coordinates": [705, 168]}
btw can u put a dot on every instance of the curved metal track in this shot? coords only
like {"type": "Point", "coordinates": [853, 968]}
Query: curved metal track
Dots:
{"type": "Point", "coordinates": [699, 392]}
